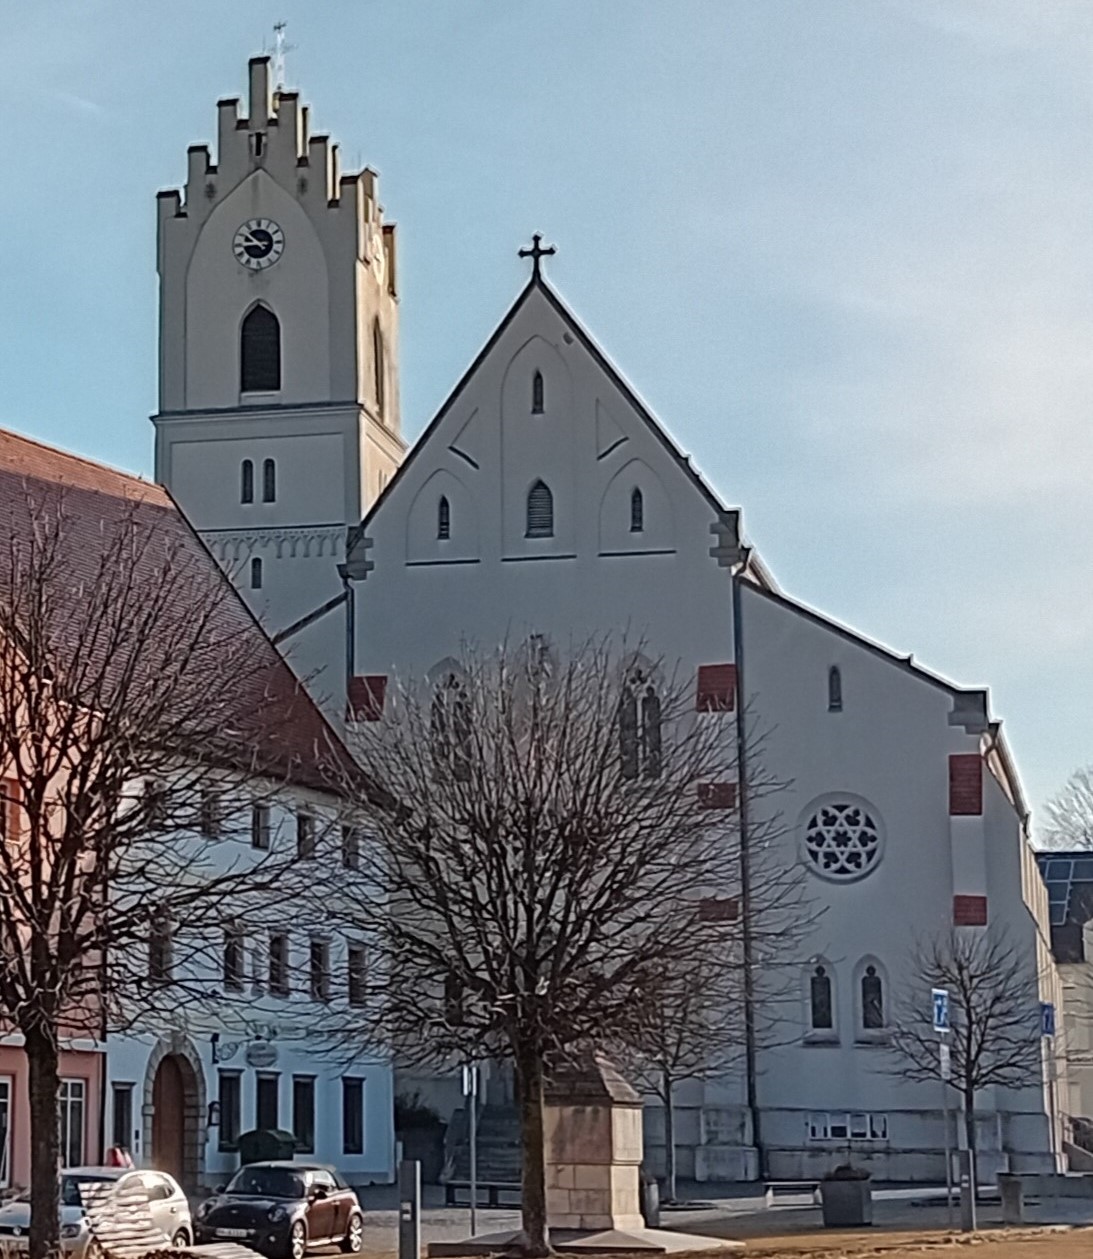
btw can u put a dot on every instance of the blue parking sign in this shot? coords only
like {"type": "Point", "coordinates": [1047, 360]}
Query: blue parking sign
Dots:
{"type": "Point", "coordinates": [1047, 1018]}
{"type": "Point", "coordinates": [940, 999]}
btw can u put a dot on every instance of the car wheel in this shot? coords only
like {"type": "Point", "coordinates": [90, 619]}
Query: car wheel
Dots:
{"type": "Point", "coordinates": [297, 1241]}
{"type": "Point", "coordinates": [180, 1239]}
{"type": "Point", "coordinates": [354, 1235]}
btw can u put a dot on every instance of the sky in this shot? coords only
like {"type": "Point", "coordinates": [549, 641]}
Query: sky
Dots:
{"type": "Point", "coordinates": [843, 248]}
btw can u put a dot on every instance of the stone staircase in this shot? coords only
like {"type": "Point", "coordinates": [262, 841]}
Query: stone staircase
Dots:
{"type": "Point", "coordinates": [499, 1158]}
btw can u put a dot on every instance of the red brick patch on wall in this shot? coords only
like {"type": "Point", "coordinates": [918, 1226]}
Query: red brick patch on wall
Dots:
{"type": "Point", "coordinates": [717, 795]}
{"type": "Point", "coordinates": [965, 785]}
{"type": "Point", "coordinates": [716, 690]}
{"type": "Point", "coordinates": [969, 911]}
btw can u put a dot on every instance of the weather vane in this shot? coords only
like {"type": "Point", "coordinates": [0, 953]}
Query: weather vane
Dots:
{"type": "Point", "coordinates": [280, 48]}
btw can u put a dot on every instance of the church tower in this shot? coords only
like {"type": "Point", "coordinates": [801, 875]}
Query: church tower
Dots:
{"type": "Point", "coordinates": [278, 420]}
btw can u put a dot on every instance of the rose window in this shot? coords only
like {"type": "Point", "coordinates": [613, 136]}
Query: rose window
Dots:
{"type": "Point", "coordinates": [842, 840]}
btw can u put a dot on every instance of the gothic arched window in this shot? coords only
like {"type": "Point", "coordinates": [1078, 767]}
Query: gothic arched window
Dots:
{"type": "Point", "coordinates": [540, 514]}
{"type": "Point", "coordinates": [640, 726]}
{"type": "Point", "coordinates": [637, 511]}
{"type": "Point", "coordinates": [256, 574]}
{"type": "Point", "coordinates": [537, 394]}
{"type": "Point", "coordinates": [246, 482]}
{"type": "Point", "coordinates": [260, 352]}
{"type": "Point", "coordinates": [834, 690]}
{"type": "Point", "coordinates": [872, 1000]}
{"type": "Point", "coordinates": [443, 518]}
{"type": "Point", "coordinates": [269, 481]}
{"type": "Point", "coordinates": [379, 369]}
{"type": "Point", "coordinates": [450, 726]}
{"type": "Point", "coordinates": [822, 1013]}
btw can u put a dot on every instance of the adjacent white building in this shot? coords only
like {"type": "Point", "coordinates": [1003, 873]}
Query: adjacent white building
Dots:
{"type": "Point", "coordinates": [545, 499]}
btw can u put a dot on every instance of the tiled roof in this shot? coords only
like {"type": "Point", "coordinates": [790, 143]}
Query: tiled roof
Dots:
{"type": "Point", "coordinates": [279, 726]}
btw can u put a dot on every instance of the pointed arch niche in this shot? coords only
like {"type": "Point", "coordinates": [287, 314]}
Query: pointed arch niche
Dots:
{"type": "Point", "coordinates": [442, 500]}
{"type": "Point", "coordinates": [540, 441]}
{"type": "Point", "coordinates": [636, 483]}
{"type": "Point", "coordinates": [872, 997]}
{"type": "Point", "coordinates": [820, 1001]}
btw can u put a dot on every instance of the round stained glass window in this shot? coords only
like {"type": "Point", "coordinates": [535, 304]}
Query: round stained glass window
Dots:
{"type": "Point", "coordinates": [842, 839]}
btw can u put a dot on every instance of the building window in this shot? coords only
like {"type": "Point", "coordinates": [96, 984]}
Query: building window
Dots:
{"type": "Point", "coordinates": [834, 690]}
{"type": "Point", "coordinates": [872, 1000]}
{"type": "Point", "coordinates": [540, 512]}
{"type": "Point", "coordinates": [303, 1113]}
{"type": "Point", "coordinates": [842, 839]}
{"type": "Point", "coordinates": [305, 835]}
{"type": "Point", "coordinates": [122, 1115]}
{"type": "Point", "coordinates": [212, 819]}
{"type": "Point", "coordinates": [160, 948]}
{"type": "Point", "coordinates": [269, 481]}
{"type": "Point", "coordinates": [537, 394]}
{"type": "Point", "coordinates": [72, 1110]}
{"type": "Point", "coordinates": [379, 369]}
{"type": "Point", "coordinates": [450, 727]}
{"type": "Point", "coordinates": [822, 1010]}
{"type": "Point", "coordinates": [352, 1115]}
{"type": "Point", "coordinates": [266, 1088]}
{"type": "Point", "coordinates": [256, 574]}
{"type": "Point", "coordinates": [640, 726]}
{"type": "Point", "coordinates": [234, 959]}
{"type": "Point", "coordinates": [260, 353]}
{"type": "Point", "coordinates": [443, 519]}
{"type": "Point", "coordinates": [637, 511]}
{"type": "Point", "coordinates": [319, 961]}
{"type": "Point", "coordinates": [246, 479]}
{"type": "Point", "coordinates": [847, 1126]}
{"type": "Point", "coordinates": [260, 827]}
{"type": "Point", "coordinates": [278, 966]}
{"type": "Point", "coordinates": [357, 975]}
{"type": "Point", "coordinates": [351, 847]}
{"type": "Point", "coordinates": [231, 1109]}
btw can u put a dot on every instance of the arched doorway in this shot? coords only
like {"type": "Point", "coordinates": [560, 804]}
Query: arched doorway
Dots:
{"type": "Point", "coordinates": [174, 1094]}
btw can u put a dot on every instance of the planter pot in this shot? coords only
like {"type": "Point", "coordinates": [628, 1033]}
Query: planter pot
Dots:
{"type": "Point", "coordinates": [846, 1203]}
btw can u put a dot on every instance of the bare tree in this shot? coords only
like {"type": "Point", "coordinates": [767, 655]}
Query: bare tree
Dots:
{"type": "Point", "coordinates": [994, 1001]}
{"type": "Point", "coordinates": [136, 694]}
{"type": "Point", "coordinates": [1069, 813]}
{"type": "Point", "coordinates": [558, 835]}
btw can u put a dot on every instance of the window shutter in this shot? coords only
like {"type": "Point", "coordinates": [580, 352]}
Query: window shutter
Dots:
{"type": "Point", "coordinates": [540, 511]}
{"type": "Point", "coordinates": [260, 352]}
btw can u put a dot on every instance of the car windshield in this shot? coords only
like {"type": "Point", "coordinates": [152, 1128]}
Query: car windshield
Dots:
{"type": "Point", "coordinates": [266, 1182]}
{"type": "Point", "coordinates": [70, 1189]}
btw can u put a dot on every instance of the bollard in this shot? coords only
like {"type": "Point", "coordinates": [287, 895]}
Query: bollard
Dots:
{"type": "Point", "coordinates": [409, 1209]}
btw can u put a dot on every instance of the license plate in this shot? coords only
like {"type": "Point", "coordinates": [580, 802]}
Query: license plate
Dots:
{"type": "Point", "coordinates": [233, 1232]}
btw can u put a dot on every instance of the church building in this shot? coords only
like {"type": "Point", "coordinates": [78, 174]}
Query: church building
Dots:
{"type": "Point", "coordinates": [545, 499]}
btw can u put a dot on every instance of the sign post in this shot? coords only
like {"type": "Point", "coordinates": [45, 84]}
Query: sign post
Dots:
{"type": "Point", "coordinates": [470, 1092]}
{"type": "Point", "coordinates": [939, 999]}
{"type": "Point", "coordinates": [409, 1209]}
{"type": "Point", "coordinates": [1047, 1031]}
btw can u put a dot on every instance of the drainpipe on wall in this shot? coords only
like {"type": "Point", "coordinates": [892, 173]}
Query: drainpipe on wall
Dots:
{"type": "Point", "coordinates": [750, 1069]}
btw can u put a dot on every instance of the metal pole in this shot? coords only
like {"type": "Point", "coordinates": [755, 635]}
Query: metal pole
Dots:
{"type": "Point", "coordinates": [409, 1213]}
{"type": "Point", "coordinates": [474, 1149]}
{"type": "Point", "coordinates": [948, 1157]}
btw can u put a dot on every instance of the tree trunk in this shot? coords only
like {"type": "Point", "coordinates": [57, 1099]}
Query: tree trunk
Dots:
{"type": "Point", "coordinates": [536, 1240]}
{"type": "Point", "coordinates": [45, 1153]}
{"type": "Point", "coordinates": [669, 1138]}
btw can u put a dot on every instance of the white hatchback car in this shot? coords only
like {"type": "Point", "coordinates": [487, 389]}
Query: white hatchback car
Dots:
{"type": "Point", "coordinates": [167, 1203]}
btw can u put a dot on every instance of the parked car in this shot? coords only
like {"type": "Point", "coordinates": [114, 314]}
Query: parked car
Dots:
{"type": "Point", "coordinates": [282, 1208]}
{"type": "Point", "coordinates": [167, 1203]}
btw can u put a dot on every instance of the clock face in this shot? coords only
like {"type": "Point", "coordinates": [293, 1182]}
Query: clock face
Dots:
{"type": "Point", "coordinates": [258, 244]}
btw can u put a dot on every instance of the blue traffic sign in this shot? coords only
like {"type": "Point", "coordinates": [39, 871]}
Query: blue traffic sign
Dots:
{"type": "Point", "coordinates": [940, 1000]}
{"type": "Point", "coordinates": [1047, 1018]}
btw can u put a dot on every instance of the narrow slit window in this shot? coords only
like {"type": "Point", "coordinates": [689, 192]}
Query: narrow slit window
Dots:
{"type": "Point", "coordinates": [256, 574]}
{"type": "Point", "coordinates": [537, 394]}
{"type": "Point", "coordinates": [540, 515]}
{"type": "Point", "coordinates": [379, 369]}
{"type": "Point", "coordinates": [443, 519]}
{"type": "Point", "coordinates": [834, 690]}
{"type": "Point", "coordinates": [260, 352]}
{"type": "Point", "coordinates": [246, 482]}
{"type": "Point", "coordinates": [872, 1000]}
{"type": "Point", "coordinates": [637, 512]}
{"type": "Point", "coordinates": [269, 481]}
{"type": "Point", "coordinates": [822, 1010]}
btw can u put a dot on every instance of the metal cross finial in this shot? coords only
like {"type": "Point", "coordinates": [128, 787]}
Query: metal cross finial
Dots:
{"type": "Point", "coordinates": [280, 48]}
{"type": "Point", "coordinates": [536, 252]}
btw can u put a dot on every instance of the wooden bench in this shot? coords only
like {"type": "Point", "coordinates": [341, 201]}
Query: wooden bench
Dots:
{"type": "Point", "coordinates": [781, 1190]}
{"type": "Point", "coordinates": [492, 1189]}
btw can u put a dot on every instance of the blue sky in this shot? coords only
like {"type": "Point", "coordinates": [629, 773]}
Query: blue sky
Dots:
{"type": "Point", "coordinates": [844, 248]}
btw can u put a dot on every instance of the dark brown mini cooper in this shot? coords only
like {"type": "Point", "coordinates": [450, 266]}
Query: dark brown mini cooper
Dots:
{"type": "Point", "coordinates": [280, 1209]}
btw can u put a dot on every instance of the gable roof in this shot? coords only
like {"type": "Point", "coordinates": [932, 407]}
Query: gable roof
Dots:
{"type": "Point", "coordinates": [275, 717]}
{"type": "Point", "coordinates": [538, 284]}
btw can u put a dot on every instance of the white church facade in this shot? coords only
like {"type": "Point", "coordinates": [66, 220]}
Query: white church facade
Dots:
{"type": "Point", "coordinates": [545, 499]}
